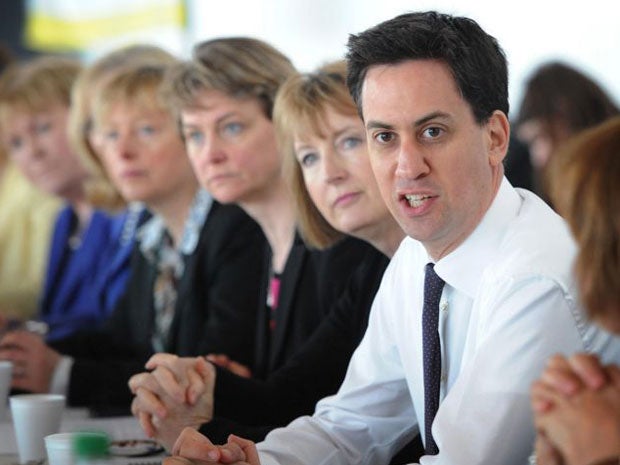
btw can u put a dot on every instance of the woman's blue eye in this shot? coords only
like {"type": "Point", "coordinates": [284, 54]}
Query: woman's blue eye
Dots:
{"type": "Point", "coordinates": [351, 143]}
{"type": "Point", "coordinates": [110, 135]}
{"type": "Point", "coordinates": [44, 127]}
{"type": "Point", "coordinates": [194, 137]}
{"type": "Point", "coordinates": [232, 129]}
{"type": "Point", "coordinates": [308, 159]}
{"type": "Point", "coordinates": [15, 143]}
{"type": "Point", "coordinates": [147, 130]}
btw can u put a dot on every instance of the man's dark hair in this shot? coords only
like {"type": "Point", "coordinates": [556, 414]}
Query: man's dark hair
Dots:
{"type": "Point", "coordinates": [475, 59]}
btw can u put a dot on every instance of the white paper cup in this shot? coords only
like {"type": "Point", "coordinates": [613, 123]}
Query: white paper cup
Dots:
{"type": "Point", "coordinates": [59, 448]}
{"type": "Point", "coordinates": [34, 417]}
{"type": "Point", "coordinates": [6, 368]}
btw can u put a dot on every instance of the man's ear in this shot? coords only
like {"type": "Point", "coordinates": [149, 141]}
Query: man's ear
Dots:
{"type": "Point", "coordinates": [498, 134]}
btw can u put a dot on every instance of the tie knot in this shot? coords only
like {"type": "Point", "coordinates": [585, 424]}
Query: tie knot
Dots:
{"type": "Point", "coordinates": [433, 284]}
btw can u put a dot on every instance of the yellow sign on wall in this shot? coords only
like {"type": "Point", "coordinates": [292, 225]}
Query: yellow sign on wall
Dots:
{"type": "Point", "coordinates": [65, 25]}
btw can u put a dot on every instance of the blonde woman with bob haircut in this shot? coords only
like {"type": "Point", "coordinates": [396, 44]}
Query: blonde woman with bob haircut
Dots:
{"type": "Point", "coordinates": [326, 164]}
{"type": "Point", "coordinates": [80, 125]}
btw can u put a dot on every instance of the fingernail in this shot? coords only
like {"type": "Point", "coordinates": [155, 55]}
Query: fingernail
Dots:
{"type": "Point", "coordinates": [213, 455]}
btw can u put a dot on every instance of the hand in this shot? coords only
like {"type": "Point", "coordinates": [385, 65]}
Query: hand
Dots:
{"type": "Point", "coordinates": [546, 454]}
{"type": "Point", "coordinates": [177, 394]}
{"type": "Point", "coordinates": [224, 361]}
{"type": "Point", "coordinates": [567, 376]}
{"type": "Point", "coordinates": [585, 427]}
{"type": "Point", "coordinates": [33, 361]}
{"type": "Point", "coordinates": [192, 448]}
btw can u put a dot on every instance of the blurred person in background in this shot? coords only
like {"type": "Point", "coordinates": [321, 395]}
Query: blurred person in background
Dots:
{"type": "Point", "coordinates": [558, 102]}
{"type": "Point", "coordinates": [82, 135]}
{"type": "Point", "coordinates": [88, 262]}
{"type": "Point", "coordinates": [577, 399]}
{"type": "Point", "coordinates": [26, 221]}
{"type": "Point", "coordinates": [192, 285]}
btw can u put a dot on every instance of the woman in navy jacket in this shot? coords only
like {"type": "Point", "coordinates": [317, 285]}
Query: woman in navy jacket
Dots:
{"type": "Point", "coordinates": [89, 255]}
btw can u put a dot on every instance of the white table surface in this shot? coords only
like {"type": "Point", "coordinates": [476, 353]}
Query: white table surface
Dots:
{"type": "Point", "coordinates": [118, 428]}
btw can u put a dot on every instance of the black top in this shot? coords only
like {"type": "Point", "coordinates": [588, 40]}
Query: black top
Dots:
{"type": "Point", "coordinates": [215, 312]}
{"type": "Point", "coordinates": [252, 407]}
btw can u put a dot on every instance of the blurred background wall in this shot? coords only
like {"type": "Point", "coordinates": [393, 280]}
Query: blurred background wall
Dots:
{"type": "Point", "coordinates": [585, 34]}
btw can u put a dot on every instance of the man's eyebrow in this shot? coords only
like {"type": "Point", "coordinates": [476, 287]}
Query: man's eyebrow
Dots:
{"type": "Point", "coordinates": [372, 124]}
{"type": "Point", "coordinates": [431, 116]}
{"type": "Point", "coordinates": [375, 124]}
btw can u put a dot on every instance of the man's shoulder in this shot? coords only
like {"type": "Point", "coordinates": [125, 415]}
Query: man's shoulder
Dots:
{"type": "Point", "coordinates": [537, 242]}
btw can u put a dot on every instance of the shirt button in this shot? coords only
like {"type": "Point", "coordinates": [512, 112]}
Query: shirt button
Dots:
{"type": "Point", "coordinates": [444, 307]}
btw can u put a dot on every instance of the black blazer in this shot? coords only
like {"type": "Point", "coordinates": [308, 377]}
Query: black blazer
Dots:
{"type": "Point", "coordinates": [215, 312]}
{"type": "Point", "coordinates": [310, 282]}
{"type": "Point", "coordinates": [252, 407]}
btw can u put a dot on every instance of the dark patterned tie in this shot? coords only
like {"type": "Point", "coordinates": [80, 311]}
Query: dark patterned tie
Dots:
{"type": "Point", "coordinates": [433, 285]}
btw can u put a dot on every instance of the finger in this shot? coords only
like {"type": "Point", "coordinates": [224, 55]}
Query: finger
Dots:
{"type": "Point", "coordinates": [613, 373]}
{"type": "Point", "coordinates": [218, 359]}
{"type": "Point", "coordinates": [546, 453]}
{"type": "Point", "coordinates": [231, 453]}
{"type": "Point", "coordinates": [147, 401]}
{"type": "Point", "coordinates": [248, 447]}
{"type": "Point", "coordinates": [589, 369]}
{"type": "Point", "coordinates": [137, 381]}
{"type": "Point", "coordinates": [170, 384]}
{"type": "Point", "coordinates": [196, 388]}
{"type": "Point", "coordinates": [543, 397]}
{"type": "Point", "coordinates": [160, 359]}
{"type": "Point", "coordinates": [239, 369]}
{"type": "Point", "coordinates": [562, 379]}
{"type": "Point", "coordinates": [193, 445]}
{"type": "Point", "coordinates": [203, 367]}
{"type": "Point", "coordinates": [146, 422]}
{"type": "Point", "coordinates": [176, 461]}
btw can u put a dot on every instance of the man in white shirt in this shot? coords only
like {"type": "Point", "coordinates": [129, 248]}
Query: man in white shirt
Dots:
{"type": "Point", "coordinates": [432, 90]}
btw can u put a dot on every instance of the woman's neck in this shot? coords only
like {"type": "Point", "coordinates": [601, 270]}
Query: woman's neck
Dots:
{"type": "Point", "coordinates": [386, 237]}
{"type": "Point", "coordinates": [274, 211]}
{"type": "Point", "coordinates": [83, 211]}
{"type": "Point", "coordinates": [174, 211]}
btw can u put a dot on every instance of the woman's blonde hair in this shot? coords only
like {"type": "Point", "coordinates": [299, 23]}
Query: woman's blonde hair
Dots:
{"type": "Point", "coordinates": [138, 85]}
{"type": "Point", "coordinates": [37, 84]}
{"type": "Point", "coordinates": [584, 187]}
{"type": "Point", "coordinates": [237, 66]}
{"type": "Point", "coordinates": [100, 190]}
{"type": "Point", "coordinates": [300, 108]}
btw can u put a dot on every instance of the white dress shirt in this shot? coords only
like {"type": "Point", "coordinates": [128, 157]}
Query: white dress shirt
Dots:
{"type": "Point", "coordinates": [509, 303]}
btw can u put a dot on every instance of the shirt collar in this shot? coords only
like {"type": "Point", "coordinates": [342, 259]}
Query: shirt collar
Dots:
{"type": "Point", "coordinates": [151, 234]}
{"type": "Point", "coordinates": [463, 267]}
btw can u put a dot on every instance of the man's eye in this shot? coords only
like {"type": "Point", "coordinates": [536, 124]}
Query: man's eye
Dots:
{"type": "Point", "coordinates": [432, 132]}
{"type": "Point", "coordinates": [384, 137]}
